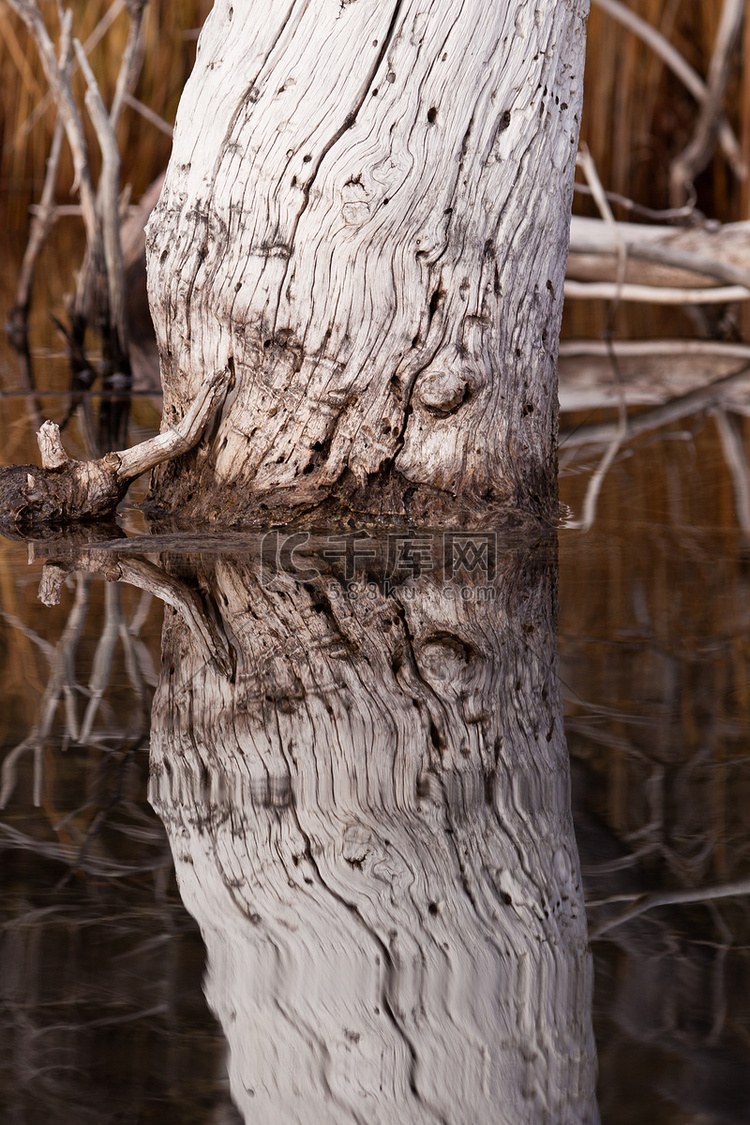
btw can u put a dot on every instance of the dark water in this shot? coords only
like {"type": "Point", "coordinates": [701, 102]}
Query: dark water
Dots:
{"type": "Point", "coordinates": [104, 1013]}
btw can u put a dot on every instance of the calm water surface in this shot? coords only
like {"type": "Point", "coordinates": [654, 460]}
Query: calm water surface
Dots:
{"type": "Point", "coordinates": [107, 1009]}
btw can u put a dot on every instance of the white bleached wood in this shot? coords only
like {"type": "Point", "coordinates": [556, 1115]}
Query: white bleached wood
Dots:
{"type": "Point", "coordinates": [364, 201]}
{"type": "Point", "coordinates": [371, 826]}
{"type": "Point", "coordinates": [656, 294]}
{"type": "Point", "coordinates": [661, 256]}
{"type": "Point", "coordinates": [179, 437]}
{"type": "Point", "coordinates": [51, 448]}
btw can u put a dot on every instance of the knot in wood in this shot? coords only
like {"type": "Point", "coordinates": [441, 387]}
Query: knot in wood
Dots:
{"type": "Point", "coordinates": [443, 391]}
{"type": "Point", "coordinates": [445, 660]}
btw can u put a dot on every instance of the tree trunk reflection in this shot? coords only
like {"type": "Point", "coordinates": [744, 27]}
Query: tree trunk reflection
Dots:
{"type": "Point", "coordinates": [370, 821]}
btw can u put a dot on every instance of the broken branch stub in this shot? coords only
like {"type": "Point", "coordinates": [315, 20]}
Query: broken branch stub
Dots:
{"type": "Point", "coordinates": [66, 491]}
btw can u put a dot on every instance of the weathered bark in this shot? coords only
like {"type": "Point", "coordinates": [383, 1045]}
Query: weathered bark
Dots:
{"type": "Point", "coordinates": [367, 209]}
{"type": "Point", "coordinates": [370, 822]}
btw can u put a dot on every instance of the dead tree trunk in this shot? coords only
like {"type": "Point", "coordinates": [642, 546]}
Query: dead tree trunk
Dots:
{"type": "Point", "coordinates": [367, 212]}
{"type": "Point", "coordinates": [370, 822]}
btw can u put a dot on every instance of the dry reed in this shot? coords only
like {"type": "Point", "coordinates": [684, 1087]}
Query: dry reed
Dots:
{"type": "Point", "coordinates": [637, 115]}
{"type": "Point", "coordinates": [27, 116]}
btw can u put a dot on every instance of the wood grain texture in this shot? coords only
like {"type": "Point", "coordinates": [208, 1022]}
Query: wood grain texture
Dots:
{"type": "Point", "coordinates": [367, 209]}
{"type": "Point", "coordinates": [371, 824]}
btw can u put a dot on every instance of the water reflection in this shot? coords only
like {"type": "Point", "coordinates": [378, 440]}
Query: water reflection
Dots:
{"type": "Point", "coordinates": [654, 645]}
{"type": "Point", "coordinates": [346, 718]}
{"type": "Point", "coordinates": [101, 1016]}
{"type": "Point", "coordinates": [369, 817]}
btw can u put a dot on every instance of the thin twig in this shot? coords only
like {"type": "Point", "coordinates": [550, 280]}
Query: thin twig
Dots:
{"type": "Point", "coordinates": [694, 158]}
{"type": "Point", "coordinates": [679, 66]}
{"type": "Point", "coordinates": [667, 215]}
{"type": "Point", "coordinates": [149, 115]}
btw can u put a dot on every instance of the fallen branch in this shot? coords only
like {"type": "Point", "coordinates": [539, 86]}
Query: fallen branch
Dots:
{"type": "Point", "coordinates": [654, 294]}
{"type": "Point", "coordinates": [683, 258]}
{"type": "Point", "coordinates": [681, 406]}
{"type": "Point", "coordinates": [695, 895]}
{"type": "Point", "coordinates": [649, 372]}
{"type": "Point", "coordinates": [627, 349]}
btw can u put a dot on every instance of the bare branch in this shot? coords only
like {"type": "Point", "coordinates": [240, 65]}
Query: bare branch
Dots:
{"type": "Point", "coordinates": [108, 201]}
{"type": "Point", "coordinates": [626, 349]}
{"type": "Point", "coordinates": [80, 490]}
{"type": "Point", "coordinates": [696, 156]}
{"type": "Point", "coordinates": [654, 294]}
{"type": "Point", "coordinates": [43, 220]}
{"type": "Point", "coordinates": [96, 36]}
{"type": "Point", "coordinates": [132, 58]}
{"type": "Point", "coordinates": [177, 439]}
{"type": "Point", "coordinates": [681, 68]}
{"type": "Point", "coordinates": [682, 406]}
{"type": "Point", "coordinates": [672, 898]}
{"type": "Point", "coordinates": [59, 82]}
